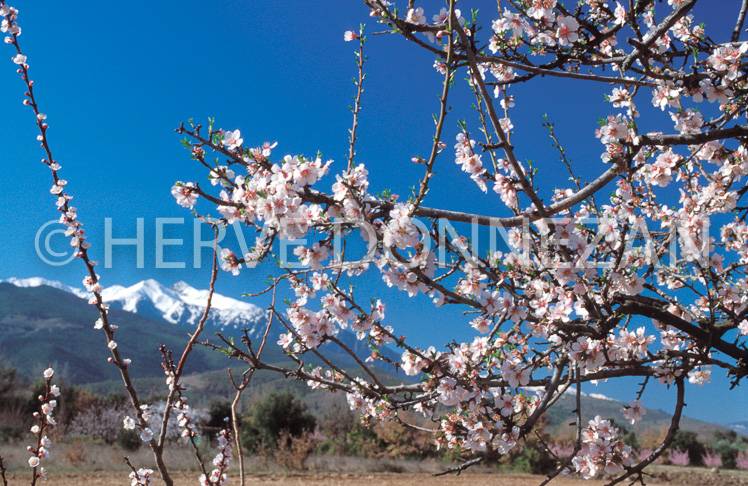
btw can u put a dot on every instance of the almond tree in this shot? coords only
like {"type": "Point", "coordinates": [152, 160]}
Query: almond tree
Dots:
{"type": "Point", "coordinates": [590, 286]}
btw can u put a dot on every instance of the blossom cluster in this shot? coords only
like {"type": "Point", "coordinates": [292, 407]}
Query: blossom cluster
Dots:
{"type": "Point", "coordinates": [141, 477]}
{"type": "Point", "coordinates": [602, 450]}
{"type": "Point", "coordinates": [222, 461]}
{"type": "Point", "coordinates": [128, 423]}
{"type": "Point", "coordinates": [185, 424]}
{"type": "Point", "coordinates": [45, 419]}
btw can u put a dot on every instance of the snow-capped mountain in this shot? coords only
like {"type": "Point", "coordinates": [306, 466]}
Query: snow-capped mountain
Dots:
{"type": "Point", "coordinates": [38, 281]}
{"type": "Point", "coordinates": [739, 427]}
{"type": "Point", "coordinates": [571, 391]}
{"type": "Point", "coordinates": [181, 304]}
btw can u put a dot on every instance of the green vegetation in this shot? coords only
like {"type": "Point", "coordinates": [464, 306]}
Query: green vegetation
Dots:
{"type": "Point", "coordinates": [278, 424]}
{"type": "Point", "coordinates": [279, 414]}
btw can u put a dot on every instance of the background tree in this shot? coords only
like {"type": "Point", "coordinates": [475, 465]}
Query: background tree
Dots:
{"type": "Point", "coordinates": [276, 414]}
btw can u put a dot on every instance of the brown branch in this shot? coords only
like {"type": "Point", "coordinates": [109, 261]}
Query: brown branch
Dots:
{"type": "Point", "coordinates": [738, 131]}
{"type": "Point", "coordinates": [443, 110]}
{"type": "Point", "coordinates": [203, 319]}
{"type": "Point", "coordinates": [519, 171]}
{"type": "Point", "coordinates": [739, 24]}
{"type": "Point", "coordinates": [126, 459]}
{"type": "Point", "coordinates": [2, 472]}
{"type": "Point", "coordinates": [662, 28]}
{"type": "Point", "coordinates": [464, 465]}
{"type": "Point", "coordinates": [549, 393]}
{"type": "Point", "coordinates": [314, 196]}
{"type": "Point", "coordinates": [674, 423]}
{"type": "Point", "coordinates": [562, 74]}
{"type": "Point", "coordinates": [654, 309]}
{"type": "Point", "coordinates": [246, 380]}
{"type": "Point", "coordinates": [358, 361]}
{"type": "Point", "coordinates": [177, 372]}
{"type": "Point", "coordinates": [578, 442]}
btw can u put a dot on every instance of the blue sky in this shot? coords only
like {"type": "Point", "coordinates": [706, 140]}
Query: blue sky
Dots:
{"type": "Point", "coordinates": [117, 81]}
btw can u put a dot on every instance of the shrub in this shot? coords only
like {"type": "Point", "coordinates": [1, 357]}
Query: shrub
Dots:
{"type": "Point", "coordinates": [679, 458]}
{"type": "Point", "coordinates": [102, 420]}
{"type": "Point", "coordinates": [727, 444]}
{"type": "Point", "coordinates": [741, 461]}
{"type": "Point", "coordinates": [337, 421]}
{"type": "Point", "coordinates": [218, 411]}
{"type": "Point", "coordinates": [10, 433]}
{"type": "Point", "coordinates": [363, 441]}
{"type": "Point", "coordinates": [688, 441]}
{"type": "Point", "coordinates": [532, 458]}
{"type": "Point", "coordinates": [711, 459]}
{"type": "Point", "coordinates": [277, 413]}
{"type": "Point", "coordinates": [293, 450]}
{"type": "Point", "coordinates": [562, 451]}
{"type": "Point", "coordinates": [128, 440]}
{"type": "Point", "coordinates": [7, 382]}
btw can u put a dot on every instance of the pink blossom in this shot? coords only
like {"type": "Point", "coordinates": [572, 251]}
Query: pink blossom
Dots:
{"type": "Point", "coordinates": [567, 31]}
{"type": "Point", "coordinates": [232, 140]}
{"type": "Point", "coordinates": [185, 194]}
{"type": "Point", "coordinates": [634, 411]}
{"type": "Point", "coordinates": [415, 16]}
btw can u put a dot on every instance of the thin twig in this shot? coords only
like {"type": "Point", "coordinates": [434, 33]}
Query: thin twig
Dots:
{"type": "Point", "coordinates": [360, 60]}
{"type": "Point", "coordinates": [443, 110]}
{"type": "Point", "coordinates": [71, 220]}
{"type": "Point", "coordinates": [177, 371]}
{"type": "Point", "coordinates": [240, 389]}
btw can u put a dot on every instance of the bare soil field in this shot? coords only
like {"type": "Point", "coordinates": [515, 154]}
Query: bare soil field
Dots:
{"type": "Point", "coordinates": [185, 478]}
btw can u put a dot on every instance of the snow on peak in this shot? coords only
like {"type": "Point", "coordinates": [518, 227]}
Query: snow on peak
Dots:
{"type": "Point", "coordinates": [180, 304]}
{"type": "Point", "coordinates": [38, 282]}
{"type": "Point", "coordinates": [183, 304]}
{"type": "Point", "coordinates": [597, 396]}
{"type": "Point", "coordinates": [181, 286]}
{"type": "Point", "coordinates": [600, 396]}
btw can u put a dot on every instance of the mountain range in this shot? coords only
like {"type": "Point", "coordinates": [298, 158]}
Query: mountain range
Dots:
{"type": "Point", "coordinates": [148, 314]}
{"type": "Point", "coordinates": [179, 304]}
{"type": "Point", "coordinates": [45, 323]}
{"type": "Point", "coordinates": [42, 326]}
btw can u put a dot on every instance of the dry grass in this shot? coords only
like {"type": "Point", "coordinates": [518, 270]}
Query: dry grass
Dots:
{"type": "Point", "coordinates": [81, 462]}
{"type": "Point", "coordinates": [87, 456]}
{"type": "Point", "coordinates": [84, 457]}
{"type": "Point", "coordinates": [182, 478]}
